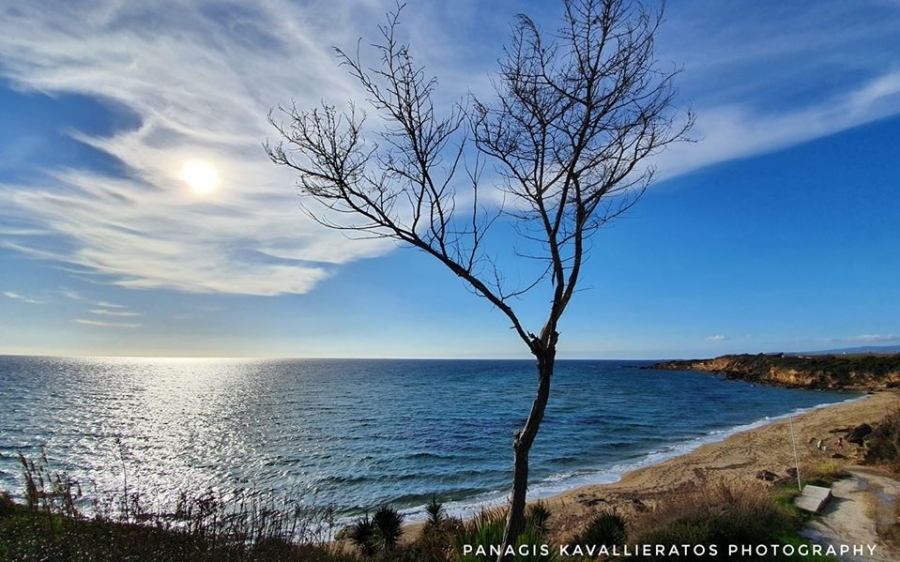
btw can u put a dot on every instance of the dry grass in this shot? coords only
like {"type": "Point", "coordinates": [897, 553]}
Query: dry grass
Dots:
{"type": "Point", "coordinates": [51, 524]}
{"type": "Point", "coordinates": [883, 444]}
{"type": "Point", "coordinates": [719, 512]}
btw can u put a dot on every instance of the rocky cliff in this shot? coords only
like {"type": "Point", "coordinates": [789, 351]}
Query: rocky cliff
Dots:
{"type": "Point", "coordinates": [825, 372]}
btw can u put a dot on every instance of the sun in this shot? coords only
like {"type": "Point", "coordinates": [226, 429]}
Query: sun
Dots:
{"type": "Point", "coordinates": [200, 176]}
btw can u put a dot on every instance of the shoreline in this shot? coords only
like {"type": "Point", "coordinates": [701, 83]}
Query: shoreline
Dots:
{"type": "Point", "coordinates": [736, 458]}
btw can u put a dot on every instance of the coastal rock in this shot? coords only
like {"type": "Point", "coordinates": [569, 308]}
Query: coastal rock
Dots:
{"type": "Point", "coordinates": [767, 475]}
{"type": "Point", "coordinates": [820, 372]}
{"type": "Point", "coordinates": [859, 433]}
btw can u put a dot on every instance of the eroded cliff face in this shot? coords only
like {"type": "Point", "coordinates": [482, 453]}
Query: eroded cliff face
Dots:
{"type": "Point", "coordinates": [854, 380]}
{"type": "Point", "coordinates": [824, 372]}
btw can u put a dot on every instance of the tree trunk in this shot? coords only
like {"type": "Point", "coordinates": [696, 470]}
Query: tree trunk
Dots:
{"type": "Point", "coordinates": [522, 446]}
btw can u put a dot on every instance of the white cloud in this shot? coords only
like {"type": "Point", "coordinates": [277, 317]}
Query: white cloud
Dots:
{"type": "Point", "coordinates": [736, 131]}
{"type": "Point", "coordinates": [760, 83]}
{"type": "Point", "coordinates": [201, 77]}
{"type": "Point", "coordinates": [117, 313]}
{"type": "Point", "coordinates": [70, 294]}
{"type": "Point", "coordinates": [18, 297]}
{"type": "Point", "coordinates": [716, 338]}
{"type": "Point", "coordinates": [877, 338]}
{"type": "Point", "coordinates": [101, 324]}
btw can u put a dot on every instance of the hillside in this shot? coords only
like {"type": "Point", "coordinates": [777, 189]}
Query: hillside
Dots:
{"type": "Point", "coordinates": [824, 372]}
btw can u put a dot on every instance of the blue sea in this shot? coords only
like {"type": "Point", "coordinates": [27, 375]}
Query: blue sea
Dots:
{"type": "Point", "coordinates": [356, 434]}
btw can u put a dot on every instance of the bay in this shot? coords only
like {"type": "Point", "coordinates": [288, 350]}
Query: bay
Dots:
{"type": "Point", "coordinates": [356, 434]}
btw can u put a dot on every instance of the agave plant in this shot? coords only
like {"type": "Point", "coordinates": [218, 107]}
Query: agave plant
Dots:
{"type": "Point", "coordinates": [604, 529]}
{"type": "Point", "coordinates": [538, 514]}
{"type": "Point", "coordinates": [486, 530]}
{"type": "Point", "coordinates": [388, 523]}
{"type": "Point", "coordinates": [362, 534]}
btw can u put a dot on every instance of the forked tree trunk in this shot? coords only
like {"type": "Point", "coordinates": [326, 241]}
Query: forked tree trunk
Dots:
{"type": "Point", "coordinates": [522, 442]}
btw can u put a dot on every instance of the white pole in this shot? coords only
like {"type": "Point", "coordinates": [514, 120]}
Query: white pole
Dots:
{"type": "Point", "coordinates": [796, 458]}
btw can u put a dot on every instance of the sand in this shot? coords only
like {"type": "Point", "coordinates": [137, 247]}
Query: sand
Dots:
{"type": "Point", "coordinates": [739, 459]}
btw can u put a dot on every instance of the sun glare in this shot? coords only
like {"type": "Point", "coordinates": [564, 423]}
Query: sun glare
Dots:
{"type": "Point", "coordinates": [200, 176]}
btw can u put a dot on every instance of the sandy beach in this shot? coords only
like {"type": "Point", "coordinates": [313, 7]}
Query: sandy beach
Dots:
{"type": "Point", "coordinates": [737, 460]}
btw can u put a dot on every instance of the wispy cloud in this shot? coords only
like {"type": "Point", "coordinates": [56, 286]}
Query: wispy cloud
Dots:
{"type": "Point", "coordinates": [70, 294]}
{"type": "Point", "coordinates": [117, 313]}
{"type": "Point", "coordinates": [734, 131]}
{"type": "Point", "coordinates": [717, 338]}
{"type": "Point", "coordinates": [18, 297]}
{"type": "Point", "coordinates": [201, 77]}
{"type": "Point", "coordinates": [107, 304]}
{"type": "Point", "coordinates": [201, 80]}
{"type": "Point", "coordinates": [813, 75]}
{"type": "Point", "coordinates": [101, 324]}
{"type": "Point", "coordinates": [877, 338]}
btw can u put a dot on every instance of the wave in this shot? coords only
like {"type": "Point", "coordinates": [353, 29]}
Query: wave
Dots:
{"type": "Point", "coordinates": [561, 482]}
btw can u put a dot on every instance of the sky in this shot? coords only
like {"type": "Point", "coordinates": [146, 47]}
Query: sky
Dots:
{"type": "Point", "coordinates": [140, 215]}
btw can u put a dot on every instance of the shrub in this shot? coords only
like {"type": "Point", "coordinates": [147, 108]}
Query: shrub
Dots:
{"type": "Point", "coordinates": [435, 541]}
{"type": "Point", "coordinates": [537, 516]}
{"type": "Point", "coordinates": [435, 510]}
{"type": "Point", "coordinates": [486, 530]}
{"type": "Point", "coordinates": [203, 528]}
{"type": "Point", "coordinates": [388, 523]}
{"type": "Point", "coordinates": [362, 534]}
{"type": "Point", "coordinates": [719, 516]}
{"type": "Point", "coordinates": [883, 444]}
{"type": "Point", "coordinates": [604, 529]}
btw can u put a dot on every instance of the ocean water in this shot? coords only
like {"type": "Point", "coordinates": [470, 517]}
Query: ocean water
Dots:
{"type": "Point", "coordinates": [355, 434]}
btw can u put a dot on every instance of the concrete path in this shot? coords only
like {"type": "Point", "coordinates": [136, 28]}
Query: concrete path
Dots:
{"type": "Point", "coordinates": [861, 505]}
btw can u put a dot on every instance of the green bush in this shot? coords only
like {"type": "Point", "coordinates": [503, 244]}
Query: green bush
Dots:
{"type": "Point", "coordinates": [486, 530]}
{"type": "Point", "coordinates": [723, 516]}
{"type": "Point", "coordinates": [883, 444]}
{"type": "Point", "coordinates": [605, 529]}
{"type": "Point", "coordinates": [388, 524]}
{"type": "Point", "coordinates": [203, 528]}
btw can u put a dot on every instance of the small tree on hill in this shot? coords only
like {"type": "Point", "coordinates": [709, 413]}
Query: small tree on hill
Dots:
{"type": "Point", "coordinates": [575, 117]}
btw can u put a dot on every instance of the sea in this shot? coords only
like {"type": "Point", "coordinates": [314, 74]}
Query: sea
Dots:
{"type": "Point", "coordinates": [357, 434]}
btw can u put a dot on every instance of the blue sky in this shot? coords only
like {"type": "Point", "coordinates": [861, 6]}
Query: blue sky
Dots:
{"type": "Point", "coordinates": [776, 230]}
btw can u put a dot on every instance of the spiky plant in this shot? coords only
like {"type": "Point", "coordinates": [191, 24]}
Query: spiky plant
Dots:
{"type": "Point", "coordinates": [388, 524]}
{"type": "Point", "coordinates": [362, 534]}
{"type": "Point", "coordinates": [435, 511]}
{"type": "Point", "coordinates": [538, 515]}
{"type": "Point", "coordinates": [604, 529]}
{"type": "Point", "coordinates": [486, 530]}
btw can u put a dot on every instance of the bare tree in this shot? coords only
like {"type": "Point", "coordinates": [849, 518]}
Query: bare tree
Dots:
{"type": "Point", "coordinates": [576, 115]}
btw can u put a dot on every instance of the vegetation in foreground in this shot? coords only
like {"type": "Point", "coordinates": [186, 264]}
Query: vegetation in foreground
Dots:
{"type": "Point", "coordinates": [48, 525]}
{"type": "Point", "coordinates": [882, 443]}
{"type": "Point", "coordinates": [882, 448]}
{"type": "Point", "coordinates": [51, 525]}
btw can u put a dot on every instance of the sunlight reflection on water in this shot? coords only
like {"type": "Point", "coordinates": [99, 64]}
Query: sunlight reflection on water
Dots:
{"type": "Point", "coordinates": [353, 433]}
